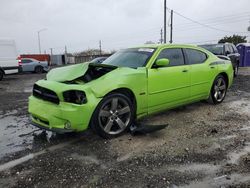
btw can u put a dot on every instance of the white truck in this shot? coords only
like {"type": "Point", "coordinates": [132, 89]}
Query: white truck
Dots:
{"type": "Point", "coordinates": [8, 58]}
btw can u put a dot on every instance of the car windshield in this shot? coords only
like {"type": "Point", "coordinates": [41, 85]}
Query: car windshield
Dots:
{"type": "Point", "coordinates": [216, 49]}
{"type": "Point", "coordinates": [133, 58]}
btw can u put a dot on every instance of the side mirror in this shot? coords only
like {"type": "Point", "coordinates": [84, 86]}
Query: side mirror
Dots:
{"type": "Point", "coordinates": [161, 63]}
{"type": "Point", "coordinates": [227, 52]}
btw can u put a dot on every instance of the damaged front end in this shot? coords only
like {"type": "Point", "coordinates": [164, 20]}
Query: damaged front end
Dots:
{"type": "Point", "coordinates": [62, 102]}
{"type": "Point", "coordinates": [80, 73]}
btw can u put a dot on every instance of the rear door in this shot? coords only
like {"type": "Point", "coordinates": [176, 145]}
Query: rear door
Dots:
{"type": "Point", "coordinates": [201, 73]}
{"type": "Point", "coordinates": [27, 65]}
{"type": "Point", "coordinates": [168, 86]}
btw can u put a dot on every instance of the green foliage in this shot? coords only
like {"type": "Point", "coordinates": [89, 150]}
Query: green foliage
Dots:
{"type": "Point", "coordinates": [235, 39]}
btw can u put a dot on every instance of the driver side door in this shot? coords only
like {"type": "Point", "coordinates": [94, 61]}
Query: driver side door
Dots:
{"type": "Point", "coordinates": [168, 86]}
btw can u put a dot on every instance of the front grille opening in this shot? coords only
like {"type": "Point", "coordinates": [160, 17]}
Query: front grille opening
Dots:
{"type": "Point", "coordinates": [45, 94]}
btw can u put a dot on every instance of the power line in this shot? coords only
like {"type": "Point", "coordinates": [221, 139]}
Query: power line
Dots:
{"type": "Point", "coordinates": [205, 25]}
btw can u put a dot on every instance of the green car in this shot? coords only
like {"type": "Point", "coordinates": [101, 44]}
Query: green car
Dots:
{"type": "Point", "coordinates": [130, 84]}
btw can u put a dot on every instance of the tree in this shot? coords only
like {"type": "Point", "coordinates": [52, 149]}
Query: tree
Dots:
{"type": "Point", "coordinates": [235, 39]}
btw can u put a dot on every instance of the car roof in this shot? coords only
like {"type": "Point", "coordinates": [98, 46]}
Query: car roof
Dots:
{"type": "Point", "coordinates": [167, 45]}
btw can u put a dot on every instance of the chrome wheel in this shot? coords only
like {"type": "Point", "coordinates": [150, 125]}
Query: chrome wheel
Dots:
{"type": "Point", "coordinates": [220, 88]}
{"type": "Point", "coordinates": [114, 115]}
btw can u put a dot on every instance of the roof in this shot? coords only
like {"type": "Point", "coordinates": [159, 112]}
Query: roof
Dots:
{"type": "Point", "coordinates": [244, 44]}
{"type": "Point", "coordinates": [165, 45]}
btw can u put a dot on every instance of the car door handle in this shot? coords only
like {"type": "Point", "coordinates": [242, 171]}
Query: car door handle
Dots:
{"type": "Point", "coordinates": [212, 67]}
{"type": "Point", "coordinates": [185, 70]}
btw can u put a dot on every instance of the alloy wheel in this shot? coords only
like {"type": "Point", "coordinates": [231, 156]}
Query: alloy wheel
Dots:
{"type": "Point", "coordinates": [220, 88]}
{"type": "Point", "coordinates": [114, 115]}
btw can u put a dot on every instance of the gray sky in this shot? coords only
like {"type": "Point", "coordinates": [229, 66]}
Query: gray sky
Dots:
{"type": "Point", "coordinates": [80, 24]}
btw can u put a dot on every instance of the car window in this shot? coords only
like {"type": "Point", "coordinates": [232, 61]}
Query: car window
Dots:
{"type": "Point", "coordinates": [26, 61]}
{"type": "Point", "coordinates": [195, 56]}
{"type": "Point", "coordinates": [230, 49]}
{"type": "Point", "coordinates": [227, 48]}
{"type": "Point", "coordinates": [234, 49]}
{"type": "Point", "coordinates": [174, 55]}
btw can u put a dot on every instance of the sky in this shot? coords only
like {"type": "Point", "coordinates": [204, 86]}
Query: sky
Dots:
{"type": "Point", "coordinates": [80, 24]}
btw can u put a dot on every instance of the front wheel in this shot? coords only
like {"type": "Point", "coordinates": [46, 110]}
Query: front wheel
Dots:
{"type": "Point", "coordinates": [113, 115]}
{"type": "Point", "coordinates": [218, 90]}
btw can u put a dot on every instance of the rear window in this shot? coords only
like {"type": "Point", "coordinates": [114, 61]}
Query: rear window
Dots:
{"type": "Point", "coordinates": [195, 56]}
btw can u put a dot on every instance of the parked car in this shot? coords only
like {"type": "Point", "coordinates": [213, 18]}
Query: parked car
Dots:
{"type": "Point", "coordinates": [8, 58]}
{"type": "Point", "coordinates": [224, 51]}
{"type": "Point", "coordinates": [98, 60]}
{"type": "Point", "coordinates": [130, 84]}
{"type": "Point", "coordinates": [33, 65]}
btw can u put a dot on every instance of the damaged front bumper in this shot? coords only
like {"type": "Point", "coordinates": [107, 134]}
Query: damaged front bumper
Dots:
{"type": "Point", "coordinates": [61, 118]}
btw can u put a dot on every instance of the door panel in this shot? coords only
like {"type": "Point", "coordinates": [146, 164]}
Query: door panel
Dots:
{"type": "Point", "coordinates": [168, 86]}
{"type": "Point", "coordinates": [201, 73]}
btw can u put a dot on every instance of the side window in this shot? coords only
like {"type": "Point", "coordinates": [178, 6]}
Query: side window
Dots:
{"type": "Point", "coordinates": [231, 49]}
{"type": "Point", "coordinates": [195, 56]}
{"type": "Point", "coordinates": [174, 55]}
{"type": "Point", "coordinates": [227, 49]}
{"type": "Point", "coordinates": [235, 49]}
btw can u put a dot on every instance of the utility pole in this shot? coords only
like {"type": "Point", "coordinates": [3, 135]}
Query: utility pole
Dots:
{"type": "Point", "coordinates": [171, 27]}
{"type": "Point", "coordinates": [65, 55]}
{"type": "Point", "coordinates": [51, 51]}
{"type": "Point", "coordinates": [161, 39]}
{"type": "Point", "coordinates": [165, 21]}
{"type": "Point", "coordinates": [100, 46]}
{"type": "Point", "coordinates": [39, 42]}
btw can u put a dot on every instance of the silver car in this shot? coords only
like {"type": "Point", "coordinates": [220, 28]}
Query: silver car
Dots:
{"type": "Point", "coordinates": [33, 65]}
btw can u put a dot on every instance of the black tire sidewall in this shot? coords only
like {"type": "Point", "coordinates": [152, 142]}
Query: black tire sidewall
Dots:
{"type": "Point", "coordinates": [94, 123]}
{"type": "Point", "coordinates": [38, 69]}
{"type": "Point", "coordinates": [212, 90]}
{"type": "Point", "coordinates": [1, 75]}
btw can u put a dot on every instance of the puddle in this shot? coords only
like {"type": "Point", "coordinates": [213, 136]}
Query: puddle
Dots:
{"type": "Point", "coordinates": [11, 127]}
{"type": "Point", "coordinates": [26, 158]}
{"type": "Point", "coordinates": [28, 90]}
{"type": "Point", "coordinates": [235, 156]}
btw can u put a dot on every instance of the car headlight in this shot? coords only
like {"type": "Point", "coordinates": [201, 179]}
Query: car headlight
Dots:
{"type": "Point", "coordinates": [75, 96]}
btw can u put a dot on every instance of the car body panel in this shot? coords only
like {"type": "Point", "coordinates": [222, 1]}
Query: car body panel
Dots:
{"type": "Point", "coordinates": [154, 89]}
{"type": "Point", "coordinates": [29, 64]}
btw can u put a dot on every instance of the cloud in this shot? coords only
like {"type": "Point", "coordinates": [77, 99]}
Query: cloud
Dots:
{"type": "Point", "coordinates": [80, 24]}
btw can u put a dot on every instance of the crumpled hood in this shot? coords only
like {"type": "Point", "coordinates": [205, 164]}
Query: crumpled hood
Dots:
{"type": "Point", "coordinates": [67, 73]}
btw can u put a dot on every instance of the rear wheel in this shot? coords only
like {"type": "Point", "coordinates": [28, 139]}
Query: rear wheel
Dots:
{"type": "Point", "coordinates": [39, 69]}
{"type": "Point", "coordinates": [1, 75]}
{"type": "Point", "coordinates": [219, 90]}
{"type": "Point", "coordinates": [236, 69]}
{"type": "Point", "coordinates": [113, 115]}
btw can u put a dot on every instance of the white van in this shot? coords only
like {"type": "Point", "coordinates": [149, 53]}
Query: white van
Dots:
{"type": "Point", "coordinates": [8, 57]}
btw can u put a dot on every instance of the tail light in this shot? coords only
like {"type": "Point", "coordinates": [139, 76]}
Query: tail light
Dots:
{"type": "Point", "coordinates": [19, 61]}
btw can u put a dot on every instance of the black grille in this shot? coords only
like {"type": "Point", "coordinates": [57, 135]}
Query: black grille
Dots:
{"type": "Point", "coordinates": [45, 94]}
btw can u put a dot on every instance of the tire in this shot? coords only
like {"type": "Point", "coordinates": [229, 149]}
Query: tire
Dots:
{"type": "Point", "coordinates": [113, 116]}
{"type": "Point", "coordinates": [218, 91]}
{"type": "Point", "coordinates": [39, 69]}
{"type": "Point", "coordinates": [1, 75]}
{"type": "Point", "coordinates": [236, 70]}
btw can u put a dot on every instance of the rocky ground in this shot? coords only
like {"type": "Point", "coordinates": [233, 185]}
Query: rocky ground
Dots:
{"type": "Point", "coordinates": [203, 146]}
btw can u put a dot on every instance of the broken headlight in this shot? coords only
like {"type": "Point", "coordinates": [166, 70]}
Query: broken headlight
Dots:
{"type": "Point", "coordinates": [75, 96]}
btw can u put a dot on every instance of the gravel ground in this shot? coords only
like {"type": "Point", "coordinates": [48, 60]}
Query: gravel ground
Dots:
{"type": "Point", "coordinates": [203, 146]}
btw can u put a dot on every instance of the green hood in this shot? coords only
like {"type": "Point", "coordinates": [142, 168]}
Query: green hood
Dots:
{"type": "Point", "coordinates": [67, 73]}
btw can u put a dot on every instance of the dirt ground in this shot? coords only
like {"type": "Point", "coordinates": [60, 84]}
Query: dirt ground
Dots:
{"type": "Point", "coordinates": [203, 146]}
